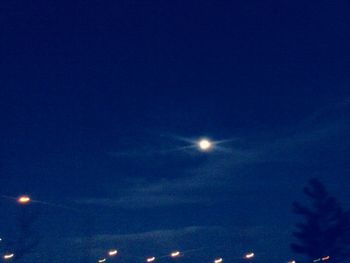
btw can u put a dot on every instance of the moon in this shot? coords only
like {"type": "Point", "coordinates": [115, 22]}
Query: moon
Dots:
{"type": "Point", "coordinates": [205, 144]}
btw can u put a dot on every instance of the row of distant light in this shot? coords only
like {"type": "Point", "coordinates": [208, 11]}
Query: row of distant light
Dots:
{"type": "Point", "coordinates": [315, 260]}
{"type": "Point", "coordinates": [24, 199]}
{"type": "Point", "coordinates": [322, 259]}
{"type": "Point", "coordinates": [174, 254]}
{"type": "Point", "coordinates": [111, 253]}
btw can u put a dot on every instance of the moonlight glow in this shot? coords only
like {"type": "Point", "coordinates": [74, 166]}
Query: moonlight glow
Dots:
{"type": "Point", "coordinates": [205, 145]}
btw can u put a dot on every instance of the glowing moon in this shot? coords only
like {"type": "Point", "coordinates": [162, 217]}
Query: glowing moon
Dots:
{"type": "Point", "coordinates": [204, 144]}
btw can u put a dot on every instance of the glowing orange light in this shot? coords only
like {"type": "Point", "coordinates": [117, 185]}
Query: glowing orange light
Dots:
{"type": "Point", "coordinates": [151, 259]}
{"type": "Point", "coordinates": [325, 258]}
{"type": "Point", "coordinates": [112, 252]}
{"type": "Point", "coordinates": [175, 254]}
{"type": "Point", "coordinates": [218, 260]}
{"type": "Point", "coordinates": [249, 255]}
{"type": "Point", "coordinates": [24, 199]}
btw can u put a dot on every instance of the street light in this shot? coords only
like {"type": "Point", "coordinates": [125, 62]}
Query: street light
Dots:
{"type": "Point", "coordinates": [23, 199]}
{"type": "Point", "coordinates": [218, 260]}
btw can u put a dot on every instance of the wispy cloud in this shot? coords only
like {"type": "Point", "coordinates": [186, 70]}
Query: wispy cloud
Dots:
{"type": "Point", "coordinates": [217, 173]}
{"type": "Point", "coordinates": [160, 234]}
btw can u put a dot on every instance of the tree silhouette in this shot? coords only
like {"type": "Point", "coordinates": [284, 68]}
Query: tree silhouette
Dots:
{"type": "Point", "coordinates": [326, 227]}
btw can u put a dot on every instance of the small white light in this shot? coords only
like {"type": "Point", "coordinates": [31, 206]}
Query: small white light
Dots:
{"type": "Point", "coordinates": [219, 260]}
{"type": "Point", "coordinates": [112, 252]}
{"type": "Point", "coordinates": [151, 259]}
{"type": "Point", "coordinates": [8, 256]}
{"type": "Point", "coordinates": [175, 254]}
{"type": "Point", "coordinates": [249, 255]}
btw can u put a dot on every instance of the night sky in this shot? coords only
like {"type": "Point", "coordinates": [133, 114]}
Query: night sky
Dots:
{"type": "Point", "coordinates": [102, 103]}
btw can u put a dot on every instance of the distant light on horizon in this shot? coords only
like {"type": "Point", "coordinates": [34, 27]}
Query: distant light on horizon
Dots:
{"type": "Point", "coordinates": [249, 255]}
{"type": "Point", "coordinates": [150, 259]}
{"type": "Point", "coordinates": [112, 252]}
{"type": "Point", "coordinates": [325, 258]}
{"type": "Point", "coordinates": [175, 254]}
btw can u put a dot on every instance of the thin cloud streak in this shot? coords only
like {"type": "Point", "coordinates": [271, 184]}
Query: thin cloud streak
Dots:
{"type": "Point", "coordinates": [216, 173]}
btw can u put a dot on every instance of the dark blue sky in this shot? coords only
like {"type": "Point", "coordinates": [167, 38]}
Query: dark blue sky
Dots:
{"type": "Point", "coordinates": [95, 95]}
